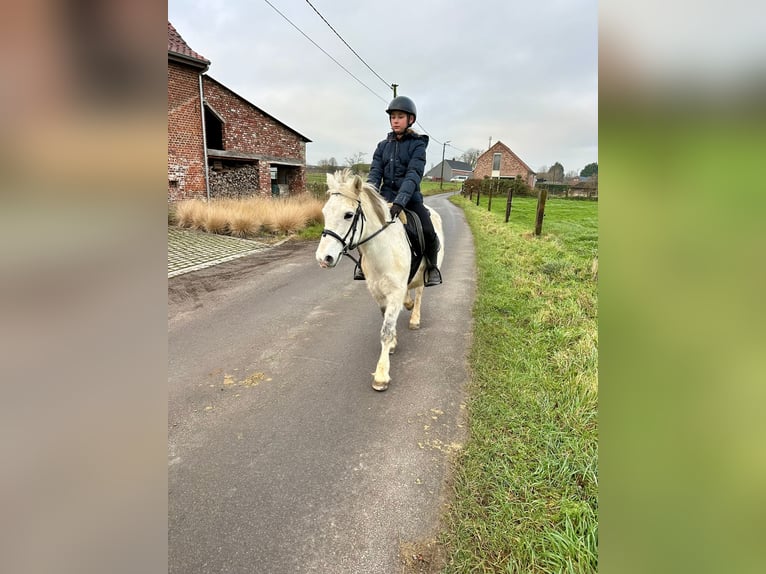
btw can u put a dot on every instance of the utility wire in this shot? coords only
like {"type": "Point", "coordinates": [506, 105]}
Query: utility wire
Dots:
{"type": "Point", "coordinates": [325, 53]}
{"type": "Point", "coordinates": [434, 139]}
{"type": "Point", "coordinates": [344, 68]}
{"type": "Point", "coordinates": [456, 148]}
{"type": "Point", "coordinates": [388, 84]}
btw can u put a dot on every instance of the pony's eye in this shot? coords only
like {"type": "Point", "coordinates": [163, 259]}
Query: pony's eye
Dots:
{"type": "Point", "coordinates": [349, 215]}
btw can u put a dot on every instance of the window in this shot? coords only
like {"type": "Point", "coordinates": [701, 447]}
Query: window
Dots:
{"type": "Point", "coordinates": [496, 162]}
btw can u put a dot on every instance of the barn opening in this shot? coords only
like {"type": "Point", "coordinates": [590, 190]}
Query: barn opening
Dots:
{"type": "Point", "coordinates": [213, 129]}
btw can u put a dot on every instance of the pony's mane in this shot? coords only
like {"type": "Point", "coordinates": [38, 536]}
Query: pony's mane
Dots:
{"type": "Point", "coordinates": [366, 193]}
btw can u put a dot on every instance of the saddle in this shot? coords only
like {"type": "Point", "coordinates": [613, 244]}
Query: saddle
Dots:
{"type": "Point", "coordinates": [414, 230]}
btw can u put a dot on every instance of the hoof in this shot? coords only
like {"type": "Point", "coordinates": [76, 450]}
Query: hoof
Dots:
{"type": "Point", "coordinates": [380, 387]}
{"type": "Point", "coordinates": [414, 326]}
{"type": "Point", "coordinates": [409, 305]}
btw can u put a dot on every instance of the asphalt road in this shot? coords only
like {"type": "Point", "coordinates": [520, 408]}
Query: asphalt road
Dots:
{"type": "Point", "coordinates": [281, 457]}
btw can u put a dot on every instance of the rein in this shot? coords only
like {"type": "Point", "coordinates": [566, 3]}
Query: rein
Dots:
{"type": "Point", "coordinates": [358, 220]}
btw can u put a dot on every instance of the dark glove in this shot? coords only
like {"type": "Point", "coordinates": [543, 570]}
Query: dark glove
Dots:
{"type": "Point", "coordinates": [395, 210]}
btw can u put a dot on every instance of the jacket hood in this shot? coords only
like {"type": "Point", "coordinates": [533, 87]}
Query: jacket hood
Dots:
{"type": "Point", "coordinates": [409, 134]}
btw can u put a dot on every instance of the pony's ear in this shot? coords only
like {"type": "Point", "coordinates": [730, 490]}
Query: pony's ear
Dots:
{"type": "Point", "coordinates": [330, 178]}
{"type": "Point", "coordinates": [357, 184]}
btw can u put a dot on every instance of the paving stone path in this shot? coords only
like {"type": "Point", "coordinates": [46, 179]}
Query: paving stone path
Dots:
{"type": "Point", "coordinates": [190, 250]}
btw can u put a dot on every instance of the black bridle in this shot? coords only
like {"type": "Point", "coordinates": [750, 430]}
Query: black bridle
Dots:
{"type": "Point", "coordinates": [358, 220]}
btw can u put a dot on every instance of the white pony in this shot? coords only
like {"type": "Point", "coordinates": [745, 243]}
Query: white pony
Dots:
{"type": "Point", "coordinates": [357, 216]}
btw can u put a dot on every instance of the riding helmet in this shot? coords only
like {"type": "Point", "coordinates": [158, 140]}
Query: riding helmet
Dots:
{"type": "Point", "coordinates": [403, 104]}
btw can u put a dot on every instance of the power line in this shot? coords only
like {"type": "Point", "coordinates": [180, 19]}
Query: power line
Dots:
{"type": "Point", "coordinates": [388, 84]}
{"type": "Point", "coordinates": [434, 139]}
{"type": "Point", "coordinates": [324, 52]}
{"type": "Point", "coordinates": [345, 69]}
{"type": "Point", "coordinates": [457, 148]}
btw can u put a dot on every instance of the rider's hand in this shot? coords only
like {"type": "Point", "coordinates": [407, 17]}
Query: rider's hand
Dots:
{"type": "Point", "coordinates": [395, 210]}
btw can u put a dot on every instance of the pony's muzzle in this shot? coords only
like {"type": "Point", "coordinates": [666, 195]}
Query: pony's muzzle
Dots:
{"type": "Point", "coordinates": [327, 262]}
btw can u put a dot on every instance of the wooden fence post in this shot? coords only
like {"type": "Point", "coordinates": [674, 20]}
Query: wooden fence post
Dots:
{"type": "Point", "coordinates": [489, 201]}
{"type": "Point", "coordinates": [478, 193]}
{"type": "Point", "coordinates": [542, 196]}
{"type": "Point", "coordinates": [508, 203]}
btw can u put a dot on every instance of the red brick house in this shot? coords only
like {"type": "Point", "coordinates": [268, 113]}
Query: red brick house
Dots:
{"type": "Point", "coordinates": [186, 145]}
{"type": "Point", "coordinates": [246, 150]}
{"type": "Point", "coordinates": [500, 161]}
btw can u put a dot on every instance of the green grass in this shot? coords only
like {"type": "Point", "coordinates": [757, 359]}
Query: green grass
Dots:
{"type": "Point", "coordinates": [433, 187]}
{"type": "Point", "coordinates": [526, 482]}
{"type": "Point", "coordinates": [312, 232]}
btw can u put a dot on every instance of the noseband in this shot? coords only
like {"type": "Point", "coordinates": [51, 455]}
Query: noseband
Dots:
{"type": "Point", "coordinates": [358, 220]}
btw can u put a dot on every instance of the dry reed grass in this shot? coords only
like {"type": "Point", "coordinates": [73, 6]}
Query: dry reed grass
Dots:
{"type": "Point", "coordinates": [214, 221]}
{"type": "Point", "coordinates": [187, 213]}
{"type": "Point", "coordinates": [242, 226]}
{"type": "Point", "coordinates": [250, 217]}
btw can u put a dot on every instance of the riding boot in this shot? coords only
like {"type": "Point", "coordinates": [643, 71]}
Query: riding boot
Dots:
{"type": "Point", "coordinates": [433, 275]}
{"type": "Point", "coordinates": [358, 273]}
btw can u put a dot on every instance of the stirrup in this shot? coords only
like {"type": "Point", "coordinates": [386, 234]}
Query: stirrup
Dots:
{"type": "Point", "coordinates": [433, 277]}
{"type": "Point", "coordinates": [359, 274]}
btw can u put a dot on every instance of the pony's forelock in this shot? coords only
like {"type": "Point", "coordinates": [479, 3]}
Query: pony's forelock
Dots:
{"type": "Point", "coordinates": [337, 180]}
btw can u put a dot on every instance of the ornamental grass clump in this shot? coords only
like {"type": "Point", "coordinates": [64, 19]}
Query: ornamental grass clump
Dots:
{"type": "Point", "coordinates": [251, 216]}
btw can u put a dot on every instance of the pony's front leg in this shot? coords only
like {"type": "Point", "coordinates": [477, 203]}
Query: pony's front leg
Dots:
{"type": "Point", "coordinates": [387, 345]}
{"type": "Point", "coordinates": [415, 316]}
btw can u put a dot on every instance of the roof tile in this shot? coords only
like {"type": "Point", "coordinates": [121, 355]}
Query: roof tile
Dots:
{"type": "Point", "coordinates": [177, 45]}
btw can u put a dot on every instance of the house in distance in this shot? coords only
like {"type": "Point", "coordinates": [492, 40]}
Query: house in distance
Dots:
{"type": "Point", "coordinates": [500, 162]}
{"type": "Point", "coordinates": [453, 169]}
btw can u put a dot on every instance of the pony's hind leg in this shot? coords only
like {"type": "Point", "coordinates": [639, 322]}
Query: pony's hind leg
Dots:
{"type": "Point", "coordinates": [387, 346]}
{"type": "Point", "coordinates": [415, 316]}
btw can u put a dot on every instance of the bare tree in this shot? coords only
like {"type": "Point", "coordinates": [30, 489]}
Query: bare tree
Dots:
{"type": "Point", "coordinates": [355, 159]}
{"type": "Point", "coordinates": [328, 165]}
{"type": "Point", "coordinates": [470, 156]}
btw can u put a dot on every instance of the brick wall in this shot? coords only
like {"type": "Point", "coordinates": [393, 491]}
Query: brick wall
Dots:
{"type": "Point", "coordinates": [510, 165]}
{"type": "Point", "coordinates": [249, 130]}
{"type": "Point", "coordinates": [245, 129]}
{"type": "Point", "coordinates": [186, 176]}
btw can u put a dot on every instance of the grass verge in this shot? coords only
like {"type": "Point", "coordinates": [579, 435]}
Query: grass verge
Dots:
{"type": "Point", "coordinates": [526, 482]}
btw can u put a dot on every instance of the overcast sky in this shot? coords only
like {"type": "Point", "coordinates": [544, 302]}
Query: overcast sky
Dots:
{"type": "Point", "coordinates": [521, 72]}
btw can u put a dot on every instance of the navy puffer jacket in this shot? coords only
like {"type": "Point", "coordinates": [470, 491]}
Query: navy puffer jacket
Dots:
{"type": "Point", "coordinates": [397, 167]}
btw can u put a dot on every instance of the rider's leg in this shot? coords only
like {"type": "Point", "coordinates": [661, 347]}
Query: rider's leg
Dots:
{"type": "Point", "coordinates": [433, 275]}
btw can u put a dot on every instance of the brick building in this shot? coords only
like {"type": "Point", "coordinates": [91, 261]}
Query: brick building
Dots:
{"type": "Point", "coordinates": [500, 161]}
{"type": "Point", "coordinates": [246, 150]}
